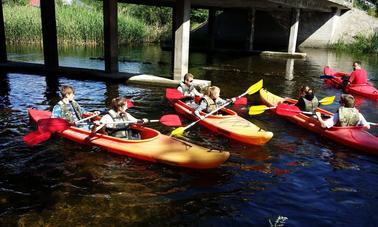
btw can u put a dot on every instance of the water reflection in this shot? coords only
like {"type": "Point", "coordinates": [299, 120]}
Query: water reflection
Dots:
{"type": "Point", "coordinates": [4, 90]}
{"type": "Point", "coordinates": [52, 89]}
{"type": "Point", "coordinates": [112, 91]}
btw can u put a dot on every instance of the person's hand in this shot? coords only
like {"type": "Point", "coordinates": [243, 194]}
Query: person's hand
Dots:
{"type": "Point", "coordinates": [202, 117]}
{"type": "Point", "coordinates": [97, 123]}
{"type": "Point", "coordinates": [96, 112]}
{"type": "Point", "coordinates": [145, 120]}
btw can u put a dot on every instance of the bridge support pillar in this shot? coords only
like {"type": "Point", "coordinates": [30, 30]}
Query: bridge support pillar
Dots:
{"type": "Point", "coordinates": [181, 38]}
{"type": "Point", "coordinates": [50, 43]}
{"type": "Point", "coordinates": [252, 16]}
{"type": "Point", "coordinates": [334, 20]}
{"type": "Point", "coordinates": [110, 36]}
{"type": "Point", "coordinates": [212, 28]}
{"type": "Point", "coordinates": [3, 47]}
{"type": "Point", "coordinates": [295, 13]}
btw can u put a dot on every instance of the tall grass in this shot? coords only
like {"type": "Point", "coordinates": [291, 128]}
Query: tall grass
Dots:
{"type": "Point", "coordinates": [75, 25]}
{"type": "Point", "coordinates": [361, 44]}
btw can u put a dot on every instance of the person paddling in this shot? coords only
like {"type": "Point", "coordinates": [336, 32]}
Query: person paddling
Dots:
{"type": "Point", "coordinates": [210, 101]}
{"type": "Point", "coordinates": [307, 100]}
{"type": "Point", "coordinates": [67, 108]}
{"type": "Point", "coordinates": [358, 76]}
{"type": "Point", "coordinates": [347, 115]}
{"type": "Point", "coordinates": [117, 114]}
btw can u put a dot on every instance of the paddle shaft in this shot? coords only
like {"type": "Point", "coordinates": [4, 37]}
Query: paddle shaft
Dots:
{"type": "Point", "coordinates": [87, 118]}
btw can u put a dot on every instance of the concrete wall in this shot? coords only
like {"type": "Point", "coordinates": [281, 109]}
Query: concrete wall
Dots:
{"type": "Point", "coordinates": [316, 29]}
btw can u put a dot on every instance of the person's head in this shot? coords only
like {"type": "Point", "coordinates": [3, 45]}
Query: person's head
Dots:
{"type": "Point", "coordinates": [356, 65]}
{"type": "Point", "coordinates": [67, 91]}
{"type": "Point", "coordinates": [119, 104]}
{"type": "Point", "coordinates": [188, 79]}
{"type": "Point", "coordinates": [214, 92]}
{"type": "Point", "coordinates": [306, 90]}
{"type": "Point", "coordinates": [347, 100]}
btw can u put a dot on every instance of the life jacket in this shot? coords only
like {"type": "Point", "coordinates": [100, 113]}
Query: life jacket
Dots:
{"type": "Point", "coordinates": [211, 104]}
{"type": "Point", "coordinates": [118, 130]}
{"type": "Point", "coordinates": [348, 116]}
{"type": "Point", "coordinates": [310, 106]}
{"type": "Point", "coordinates": [68, 114]}
{"type": "Point", "coordinates": [187, 90]}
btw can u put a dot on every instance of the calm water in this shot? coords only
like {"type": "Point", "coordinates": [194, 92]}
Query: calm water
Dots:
{"type": "Point", "coordinates": [299, 175]}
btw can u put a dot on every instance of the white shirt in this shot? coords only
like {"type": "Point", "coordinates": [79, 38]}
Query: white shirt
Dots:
{"type": "Point", "coordinates": [335, 118]}
{"type": "Point", "coordinates": [108, 120]}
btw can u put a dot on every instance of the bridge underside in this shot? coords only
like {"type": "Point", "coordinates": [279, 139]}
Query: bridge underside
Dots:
{"type": "Point", "coordinates": [319, 5]}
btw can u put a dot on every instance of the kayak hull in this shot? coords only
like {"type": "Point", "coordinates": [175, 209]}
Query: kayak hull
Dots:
{"type": "Point", "coordinates": [153, 147]}
{"type": "Point", "coordinates": [354, 137]}
{"type": "Point", "coordinates": [366, 90]}
{"type": "Point", "coordinates": [230, 125]}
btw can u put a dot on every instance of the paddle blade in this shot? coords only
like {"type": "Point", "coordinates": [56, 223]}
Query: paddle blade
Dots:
{"type": "Point", "coordinates": [173, 94]}
{"type": "Point", "coordinates": [327, 77]}
{"type": "Point", "coordinates": [241, 101]}
{"type": "Point", "coordinates": [255, 87]}
{"type": "Point", "coordinates": [254, 110]}
{"type": "Point", "coordinates": [327, 100]}
{"type": "Point", "coordinates": [171, 120]}
{"type": "Point", "coordinates": [129, 104]}
{"type": "Point", "coordinates": [52, 125]}
{"type": "Point", "coordinates": [179, 132]}
{"type": "Point", "coordinates": [284, 109]}
{"type": "Point", "coordinates": [36, 137]}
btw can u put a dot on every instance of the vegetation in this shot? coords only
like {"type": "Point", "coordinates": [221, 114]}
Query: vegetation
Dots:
{"type": "Point", "coordinates": [83, 24]}
{"type": "Point", "coordinates": [362, 44]}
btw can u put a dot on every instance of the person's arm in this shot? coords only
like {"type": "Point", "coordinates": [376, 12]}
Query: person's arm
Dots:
{"type": "Point", "coordinates": [56, 112]}
{"type": "Point", "coordinates": [197, 93]}
{"type": "Point", "coordinates": [107, 120]}
{"type": "Point", "coordinates": [363, 122]}
{"type": "Point", "coordinates": [180, 89]}
{"type": "Point", "coordinates": [200, 108]}
{"type": "Point", "coordinates": [300, 104]}
{"type": "Point", "coordinates": [352, 77]}
{"type": "Point", "coordinates": [330, 122]}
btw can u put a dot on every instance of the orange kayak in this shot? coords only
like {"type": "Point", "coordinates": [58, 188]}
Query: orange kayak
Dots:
{"type": "Point", "coordinates": [153, 147]}
{"type": "Point", "coordinates": [352, 136]}
{"type": "Point", "coordinates": [229, 124]}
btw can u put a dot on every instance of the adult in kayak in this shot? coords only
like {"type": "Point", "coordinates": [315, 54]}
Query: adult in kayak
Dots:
{"type": "Point", "coordinates": [210, 101]}
{"type": "Point", "coordinates": [347, 115]}
{"type": "Point", "coordinates": [358, 76]}
{"type": "Point", "coordinates": [67, 108]}
{"type": "Point", "coordinates": [307, 100]}
{"type": "Point", "coordinates": [187, 88]}
{"type": "Point", "coordinates": [117, 121]}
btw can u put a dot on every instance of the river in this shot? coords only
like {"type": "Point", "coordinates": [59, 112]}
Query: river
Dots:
{"type": "Point", "coordinates": [299, 175]}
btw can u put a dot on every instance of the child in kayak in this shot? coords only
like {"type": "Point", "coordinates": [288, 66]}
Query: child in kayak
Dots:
{"type": "Point", "coordinates": [347, 115]}
{"type": "Point", "coordinates": [307, 100]}
{"type": "Point", "coordinates": [67, 108]}
{"type": "Point", "coordinates": [210, 101]}
{"type": "Point", "coordinates": [117, 121]}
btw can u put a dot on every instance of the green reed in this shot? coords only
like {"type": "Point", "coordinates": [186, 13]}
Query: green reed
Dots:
{"type": "Point", "coordinates": [361, 44]}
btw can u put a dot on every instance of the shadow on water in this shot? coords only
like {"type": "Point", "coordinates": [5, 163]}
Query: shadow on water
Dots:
{"type": "Point", "coordinates": [299, 175]}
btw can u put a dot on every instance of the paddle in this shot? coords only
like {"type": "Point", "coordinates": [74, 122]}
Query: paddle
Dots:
{"type": "Point", "coordinates": [251, 90]}
{"type": "Point", "coordinates": [174, 94]}
{"type": "Point", "coordinates": [47, 126]}
{"type": "Point", "coordinates": [255, 110]}
{"type": "Point", "coordinates": [172, 120]}
{"type": "Point", "coordinates": [327, 77]}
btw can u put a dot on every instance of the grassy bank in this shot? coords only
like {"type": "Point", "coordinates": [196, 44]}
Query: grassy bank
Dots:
{"type": "Point", "coordinates": [75, 25]}
{"type": "Point", "coordinates": [361, 45]}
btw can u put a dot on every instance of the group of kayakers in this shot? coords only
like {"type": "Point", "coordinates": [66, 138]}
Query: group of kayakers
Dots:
{"type": "Point", "coordinates": [117, 120]}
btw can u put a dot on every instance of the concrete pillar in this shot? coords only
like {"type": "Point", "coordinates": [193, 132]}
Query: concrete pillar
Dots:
{"type": "Point", "coordinates": [334, 24]}
{"type": "Point", "coordinates": [295, 13]}
{"type": "Point", "coordinates": [50, 43]}
{"type": "Point", "coordinates": [212, 28]}
{"type": "Point", "coordinates": [110, 35]}
{"type": "Point", "coordinates": [182, 32]}
{"type": "Point", "coordinates": [252, 16]}
{"type": "Point", "coordinates": [3, 46]}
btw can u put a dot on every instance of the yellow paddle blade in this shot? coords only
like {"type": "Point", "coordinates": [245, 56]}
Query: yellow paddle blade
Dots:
{"type": "Point", "coordinates": [327, 100]}
{"type": "Point", "coordinates": [254, 110]}
{"type": "Point", "coordinates": [178, 132]}
{"type": "Point", "coordinates": [255, 87]}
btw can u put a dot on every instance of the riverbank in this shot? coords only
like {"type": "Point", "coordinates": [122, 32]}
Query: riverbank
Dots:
{"type": "Point", "coordinates": [75, 25]}
{"type": "Point", "coordinates": [360, 45]}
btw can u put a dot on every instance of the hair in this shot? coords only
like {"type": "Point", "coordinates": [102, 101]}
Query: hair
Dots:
{"type": "Point", "coordinates": [211, 91]}
{"type": "Point", "coordinates": [188, 75]}
{"type": "Point", "coordinates": [358, 62]}
{"type": "Point", "coordinates": [347, 100]}
{"type": "Point", "coordinates": [118, 102]}
{"type": "Point", "coordinates": [66, 89]}
{"type": "Point", "coordinates": [305, 90]}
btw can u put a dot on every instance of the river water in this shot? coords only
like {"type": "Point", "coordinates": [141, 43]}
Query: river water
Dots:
{"type": "Point", "coordinates": [299, 175]}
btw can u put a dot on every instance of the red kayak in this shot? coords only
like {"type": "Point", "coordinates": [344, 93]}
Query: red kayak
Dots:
{"type": "Point", "coordinates": [352, 136]}
{"type": "Point", "coordinates": [335, 80]}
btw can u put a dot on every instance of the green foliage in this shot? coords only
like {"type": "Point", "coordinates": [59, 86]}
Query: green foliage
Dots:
{"type": "Point", "coordinates": [199, 15]}
{"type": "Point", "coordinates": [158, 16]}
{"type": "Point", "coordinates": [361, 44]}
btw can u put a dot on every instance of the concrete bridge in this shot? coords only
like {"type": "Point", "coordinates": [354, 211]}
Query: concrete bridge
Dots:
{"type": "Point", "coordinates": [288, 11]}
